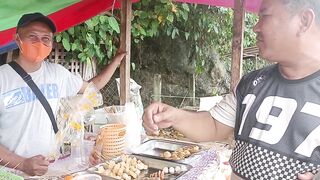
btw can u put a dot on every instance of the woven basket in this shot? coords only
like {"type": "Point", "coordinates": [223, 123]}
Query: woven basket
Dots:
{"type": "Point", "coordinates": [112, 140]}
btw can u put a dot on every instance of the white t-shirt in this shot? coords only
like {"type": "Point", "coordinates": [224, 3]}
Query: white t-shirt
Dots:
{"type": "Point", "coordinates": [225, 110]}
{"type": "Point", "coordinates": [25, 127]}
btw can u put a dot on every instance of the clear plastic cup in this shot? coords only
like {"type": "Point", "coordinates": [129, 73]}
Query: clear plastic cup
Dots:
{"type": "Point", "coordinates": [115, 114]}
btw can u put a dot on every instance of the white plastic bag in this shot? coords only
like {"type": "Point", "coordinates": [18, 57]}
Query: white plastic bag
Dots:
{"type": "Point", "coordinates": [134, 96]}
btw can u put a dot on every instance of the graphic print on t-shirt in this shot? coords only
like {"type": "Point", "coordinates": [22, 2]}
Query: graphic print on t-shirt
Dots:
{"type": "Point", "coordinates": [25, 95]}
{"type": "Point", "coordinates": [278, 126]}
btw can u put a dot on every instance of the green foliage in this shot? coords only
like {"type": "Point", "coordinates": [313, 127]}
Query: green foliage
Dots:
{"type": "Point", "coordinates": [206, 30]}
{"type": "Point", "coordinates": [96, 37]}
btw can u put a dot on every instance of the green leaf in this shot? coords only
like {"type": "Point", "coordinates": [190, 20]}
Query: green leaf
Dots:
{"type": "Point", "coordinates": [102, 19]}
{"type": "Point", "coordinates": [89, 23]}
{"type": "Point", "coordinates": [88, 60]}
{"type": "Point", "coordinates": [184, 15]}
{"type": "Point", "coordinates": [95, 21]}
{"type": "Point", "coordinates": [174, 32]}
{"type": "Point", "coordinates": [80, 55]}
{"type": "Point", "coordinates": [66, 44]}
{"type": "Point", "coordinates": [90, 39]}
{"type": "Point", "coordinates": [143, 32]}
{"type": "Point", "coordinates": [143, 14]}
{"type": "Point", "coordinates": [170, 17]}
{"type": "Point", "coordinates": [187, 35]}
{"type": "Point", "coordinates": [136, 41]}
{"type": "Point", "coordinates": [109, 54]}
{"type": "Point", "coordinates": [103, 35]}
{"type": "Point", "coordinates": [144, 2]}
{"type": "Point", "coordinates": [91, 52]}
{"type": "Point", "coordinates": [185, 7]}
{"type": "Point", "coordinates": [114, 24]}
{"type": "Point", "coordinates": [73, 46]}
{"type": "Point", "coordinates": [65, 36]}
{"type": "Point", "coordinates": [215, 28]}
{"type": "Point", "coordinates": [133, 65]}
{"type": "Point", "coordinates": [58, 38]}
{"type": "Point", "coordinates": [71, 31]}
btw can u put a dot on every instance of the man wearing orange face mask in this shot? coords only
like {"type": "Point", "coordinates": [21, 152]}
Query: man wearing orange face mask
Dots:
{"type": "Point", "coordinates": [26, 131]}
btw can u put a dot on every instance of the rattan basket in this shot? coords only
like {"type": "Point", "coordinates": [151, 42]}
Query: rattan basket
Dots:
{"type": "Point", "coordinates": [112, 140]}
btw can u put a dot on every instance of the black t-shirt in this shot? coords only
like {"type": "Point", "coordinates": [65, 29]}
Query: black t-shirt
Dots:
{"type": "Point", "coordinates": [277, 128]}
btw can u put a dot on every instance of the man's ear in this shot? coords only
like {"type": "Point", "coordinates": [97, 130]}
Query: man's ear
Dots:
{"type": "Point", "coordinates": [307, 19]}
{"type": "Point", "coordinates": [17, 39]}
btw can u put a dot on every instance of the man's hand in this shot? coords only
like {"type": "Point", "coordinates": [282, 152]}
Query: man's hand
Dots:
{"type": "Point", "coordinates": [35, 166]}
{"type": "Point", "coordinates": [306, 176]}
{"type": "Point", "coordinates": [157, 116]}
{"type": "Point", "coordinates": [94, 158]}
{"type": "Point", "coordinates": [118, 58]}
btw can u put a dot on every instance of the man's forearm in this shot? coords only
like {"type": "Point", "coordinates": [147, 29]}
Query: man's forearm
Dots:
{"type": "Point", "coordinates": [200, 126]}
{"type": "Point", "coordinates": [105, 75]}
{"type": "Point", "coordinates": [10, 159]}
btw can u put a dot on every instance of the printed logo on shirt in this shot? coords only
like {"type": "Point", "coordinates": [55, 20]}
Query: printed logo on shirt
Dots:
{"type": "Point", "coordinates": [272, 122]}
{"type": "Point", "coordinates": [25, 95]}
{"type": "Point", "coordinates": [258, 80]}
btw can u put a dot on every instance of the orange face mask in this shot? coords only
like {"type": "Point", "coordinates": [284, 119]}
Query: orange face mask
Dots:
{"type": "Point", "coordinates": [34, 52]}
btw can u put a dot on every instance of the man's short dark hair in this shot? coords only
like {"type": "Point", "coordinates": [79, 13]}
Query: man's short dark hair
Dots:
{"type": "Point", "coordinates": [295, 5]}
{"type": "Point", "coordinates": [35, 17]}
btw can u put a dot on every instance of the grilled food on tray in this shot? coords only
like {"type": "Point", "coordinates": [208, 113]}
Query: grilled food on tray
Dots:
{"type": "Point", "coordinates": [180, 153]}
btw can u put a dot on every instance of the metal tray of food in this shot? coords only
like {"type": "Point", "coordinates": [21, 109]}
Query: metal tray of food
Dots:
{"type": "Point", "coordinates": [83, 175]}
{"type": "Point", "coordinates": [140, 167]}
{"type": "Point", "coordinates": [169, 150]}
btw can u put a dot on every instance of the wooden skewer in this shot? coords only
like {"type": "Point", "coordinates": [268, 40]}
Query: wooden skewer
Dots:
{"type": "Point", "coordinates": [17, 165]}
{"type": "Point", "coordinates": [5, 165]}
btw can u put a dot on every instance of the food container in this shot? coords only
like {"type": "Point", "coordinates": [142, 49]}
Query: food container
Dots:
{"type": "Point", "coordinates": [153, 167]}
{"type": "Point", "coordinates": [87, 177]}
{"type": "Point", "coordinates": [111, 140]}
{"type": "Point", "coordinates": [158, 148]}
{"type": "Point", "coordinates": [82, 175]}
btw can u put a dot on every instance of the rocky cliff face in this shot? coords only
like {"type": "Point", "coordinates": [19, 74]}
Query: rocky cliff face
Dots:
{"type": "Point", "coordinates": [173, 60]}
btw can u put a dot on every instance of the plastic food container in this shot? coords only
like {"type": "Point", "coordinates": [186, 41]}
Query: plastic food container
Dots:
{"type": "Point", "coordinates": [88, 177]}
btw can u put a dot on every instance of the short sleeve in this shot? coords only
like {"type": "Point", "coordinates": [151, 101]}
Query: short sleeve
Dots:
{"type": "Point", "coordinates": [225, 110]}
{"type": "Point", "coordinates": [74, 84]}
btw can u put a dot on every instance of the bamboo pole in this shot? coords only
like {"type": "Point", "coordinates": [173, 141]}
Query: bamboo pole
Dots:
{"type": "Point", "coordinates": [125, 45]}
{"type": "Point", "coordinates": [237, 42]}
{"type": "Point", "coordinates": [157, 88]}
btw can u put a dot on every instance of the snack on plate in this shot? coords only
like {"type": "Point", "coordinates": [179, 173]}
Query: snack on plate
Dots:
{"type": "Point", "coordinates": [160, 175]}
{"type": "Point", "coordinates": [127, 168]}
{"type": "Point", "coordinates": [171, 133]}
{"type": "Point", "coordinates": [157, 175]}
{"type": "Point", "coordinates": [181, 153]}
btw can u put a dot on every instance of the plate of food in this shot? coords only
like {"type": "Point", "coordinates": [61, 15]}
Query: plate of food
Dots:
{"type": "Point", "coordinates": [169, 150]}
{"type": "Point", "coordinates": [139, 167]}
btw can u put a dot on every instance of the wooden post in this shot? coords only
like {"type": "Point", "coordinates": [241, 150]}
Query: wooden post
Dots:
{"type": "Point", "coordinates": [237, 42]}
{"type": "Point", "coordinates": [193, 90]}
{"type": "Point", "coordinates": [157, 88]}
{"type": "Point", "coordinates": [125, 46]}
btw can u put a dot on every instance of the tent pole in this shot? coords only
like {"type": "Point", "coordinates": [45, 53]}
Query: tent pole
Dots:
{"type": "Point", "coordinates": [125, 46]}
{"type": "Point", "coordinates": [237, 42]}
